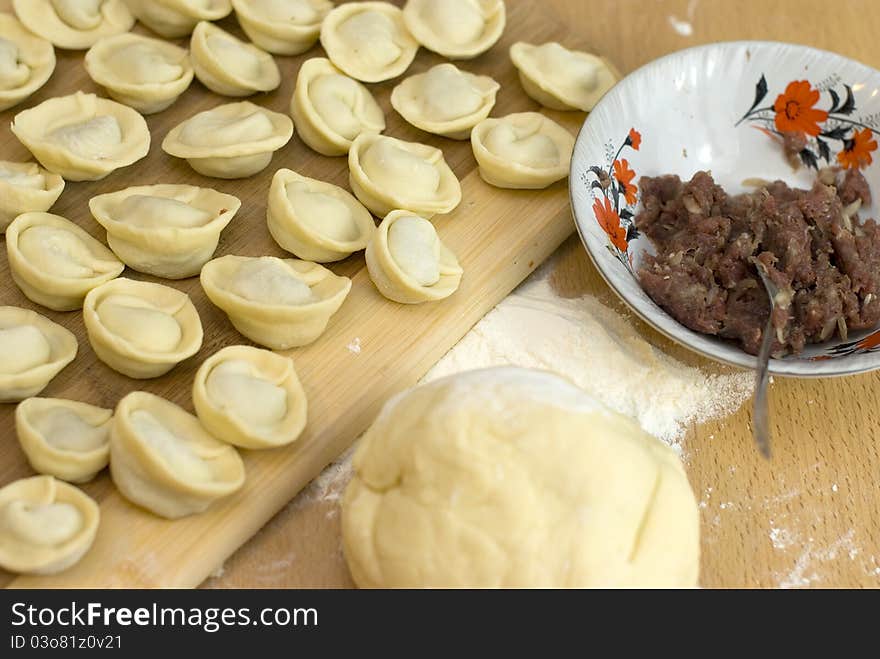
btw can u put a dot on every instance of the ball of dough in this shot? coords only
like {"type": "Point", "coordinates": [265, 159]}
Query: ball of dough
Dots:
{"type": "Point", "coordinates": [510, 477]}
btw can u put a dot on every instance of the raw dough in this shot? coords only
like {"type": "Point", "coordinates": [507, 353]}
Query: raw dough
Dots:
{"type": "Point", "coordinates": [177, 18]}
{"type": "Point", "coordinates": [445, 100]}
{"type": "Point", "coordinates": [562, 79]}
{"type": "Point", "coordinates": [46, 525]}
{"type": "Point", "coordinates": [64, 438]}
{"type": "Point", "coordinates": [386, 174]}
{"type": "Point", "coordinates": [24, 187]}
{"type": "Point", "coordinates": [250, 398]}
{"type": "Point", "coordinates": [276, 303]}
{"type": "Point", "coordinates": [510, 477]}
{"type": "Point", "coordinates": [26, 62]}
{"type": "Point", "coordinates": [55, 263]}
{"type": "Point", "coordinates": [330, 109]}
{"type": "Point", "coordinates": [143, 73]}
{"type": "Point", "coordinates": [368, 40]}
{"type": "Point", "coordinates": [33, 350]}
{"type": "Point", "coordinates": [168, 231]}
{"type": "Point", "coordinates": [284, 27]}
{"type": "Point", "coordinates": [408, 262]}
{"type": "Point", "coordinates": [83, 137]}
{"type": "Point", "coordinates": [235, 140]}
{"type": "Point", "coordinates": [162, 459]}
{"type": "Point", "coordinates": [457, 29]}
{"type": "Point", "coordinates": [74, 24]}
{"type": "Point", "coordinates": [524, 150]}
{"type": "Point", "coordinates": [229, 66]}
{"type": "Point", "coordinates": [141, 329]}
{"type": "Point", "coordinates": [314, 220]}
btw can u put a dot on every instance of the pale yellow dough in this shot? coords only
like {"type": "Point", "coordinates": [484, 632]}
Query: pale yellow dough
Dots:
{"type": "Point", "coordinates": [162, 459]}
{"type": "Point", "coordinates": [524, 150]}
{"type": "Point", "coordinates": [277, 303]}
{"type": "Point", "coordinates": [177, 18]}
{"type": "Point", "coordinates": [64, 438]}
{"type": "Point", "coordinates": [168, 231]}
{"type": "Point", "coordinates": [250, 398]}
{"type": "Point", "coordinates": [445, 100]}
{"type": "Point", "coordinates": [408, 263]}
{"type": "Point", "coordinates": [46, 525]}
{"type": "Point", "coordinates": [330, 109]}
{"type": "Point", "coordinates": [235, 140]}
{"type": "Point", "coordinates": [74, 24]}
{"type": "Point", "coordinates": [562, 79]}
{"type": "Point", "coordinates": [386, 173]}
{"type": "Point", "coordinates": [515, 478]}
{"type": "Point", "coordinates": [33, 350]}
{"type": "Point", "coordinates": [25, 187]}
{"type": "Point", "coordinates": [283, 27]}
{"type": "Point", "coordinates": [146, 74]}
{"type": "Point", "coordinates": [368, 40]}
{"type": "Point", "coordinates": [140, 329]}
{"type": "Point", "coordinates": [457, 29]}
{"type": "Point", "coordinates": [229, 66]}
{"type": "Point", "coordinates": [26, 62]}
{"type": "Point", "coordinates": [55, 263]}
{"type": "Point", "coordinates": [83, 137]}
{"type": "Point", "coordinates": [314, 220]}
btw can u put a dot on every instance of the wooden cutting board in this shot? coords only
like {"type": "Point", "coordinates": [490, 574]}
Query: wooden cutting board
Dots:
{"type": "Point", "coordinates": [499, 236]}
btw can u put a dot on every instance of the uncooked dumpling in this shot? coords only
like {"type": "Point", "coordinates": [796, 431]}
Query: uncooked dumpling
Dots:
{"type": "Point", "coordinates": [83, 137]}
{"type": "Point", "coordinates": [64, 438]}
{"type": "Point", "coordinates": [25, 187]}
{"type": "Point", "coordinates": [562, 79]}
{"type": "Point", "coordinates": [169, 231]}
{"type": "Point", "coordinates": [445, 100]}
{"type": "Point", "coordinates": [330, 109]}
{"type": "Point", "coordinates": [229, 66]}
{"type": "Point", "coordinates": [386, 173]}
{"type": "Point", "coordinates": [515, 478]}
{"type": "Point", "coordinates": [235, 140]}
{"type": "Point", "coordinates": [276, 303]}
{"type": "Point", "coordinates": [146, 74]}
{"type": "Point", "coordinates": [523, 150]}
{"type": "Point", "coordinates": [250, 398]}
{"type": "Point", "coordinates": [54, 262]}
{"type": "Point", "coordinates": [408, 262]}
{"type": "Point", "coordinates": [141, 329]}
{"type": "Point", "coordinates": [26, 62]}
{"type": "Point", "coordinates": [74, 24]}
{"type": "Point", "coordinates": [46, 525]}
{"type": "Point", "coordinates": [368, 40]}
{"type": "Point", "coordinates": [177, 18]}
{"type": "Point", "coordinates": [33, 350]}
{"type": "Point", "coordinates": [314, 220]}
{"type": "Point", "coordinates": [162, 459]}
{"type": "Point", "coordinates": [457, 29]}
{"type": "Point", "coordinates": [284, 27]}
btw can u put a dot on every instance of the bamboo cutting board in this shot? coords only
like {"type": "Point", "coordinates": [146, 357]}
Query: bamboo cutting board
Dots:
{"type": "Point", "coordinates": [499, 236]}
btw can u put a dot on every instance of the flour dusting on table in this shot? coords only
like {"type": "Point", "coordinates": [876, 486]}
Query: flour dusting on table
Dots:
{"type": "Point", "coordinates": [600, 351]}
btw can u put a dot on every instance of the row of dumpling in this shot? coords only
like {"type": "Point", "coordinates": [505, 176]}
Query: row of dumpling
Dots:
{"type": "Point", "coordinates": [161, 457]}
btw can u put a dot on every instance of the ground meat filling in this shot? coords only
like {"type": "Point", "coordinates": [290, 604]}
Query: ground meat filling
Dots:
{"type": "Point", "coordinates": [825, 262]}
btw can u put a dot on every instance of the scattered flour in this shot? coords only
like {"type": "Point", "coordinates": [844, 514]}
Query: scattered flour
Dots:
{"type": "Point", "coordinates": [597, 349]}
{"type": "Point", "coordinates": [355, 346]}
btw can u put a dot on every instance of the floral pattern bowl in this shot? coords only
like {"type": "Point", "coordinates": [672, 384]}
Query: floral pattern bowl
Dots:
{"type": "Point", "coordinates": [723, 107]}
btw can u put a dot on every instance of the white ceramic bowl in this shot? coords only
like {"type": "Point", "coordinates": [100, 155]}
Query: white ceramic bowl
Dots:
{"type": "Point", "coordinates": [686, 113]}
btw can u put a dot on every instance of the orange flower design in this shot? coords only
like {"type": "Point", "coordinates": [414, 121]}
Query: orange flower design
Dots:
{"type": "Point", "coordinates": [624, 176]}
{"type": "Point", "coordinates": [635, 139]}
{"type": "Point", "coordinates": [795, 112]}
{"type": "Point", "coordinates": [609, 220]}
{"type": "Point", "coordinates": [857, 152]}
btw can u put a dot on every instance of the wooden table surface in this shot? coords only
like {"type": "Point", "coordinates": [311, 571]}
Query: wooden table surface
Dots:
{"type": "Point", "coordinates": [809, 517]}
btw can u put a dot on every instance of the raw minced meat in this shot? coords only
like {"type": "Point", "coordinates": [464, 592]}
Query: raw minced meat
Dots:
{"type": "Point", "coordinates": [823, 259]}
